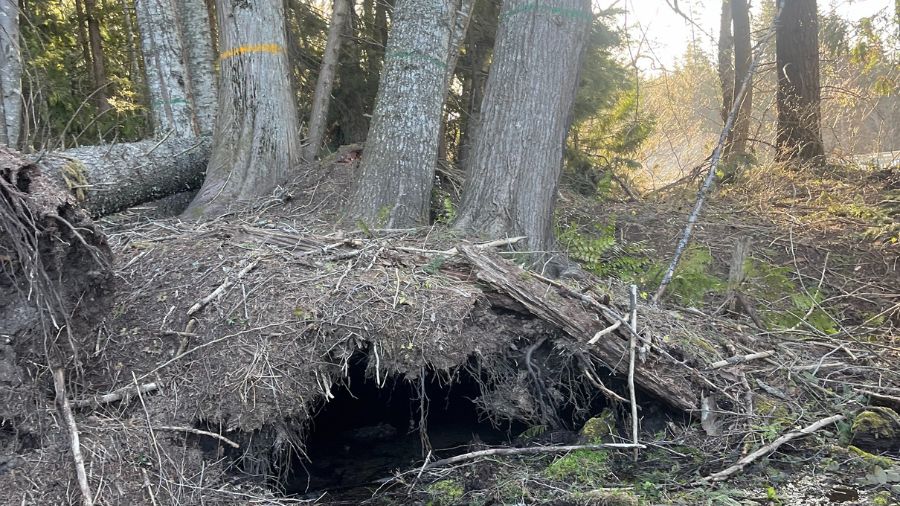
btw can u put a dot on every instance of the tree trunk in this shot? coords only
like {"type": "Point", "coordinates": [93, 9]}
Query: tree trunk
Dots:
{"type": "Point", "coordinates": [83, 38]}
{"type": "Point", "coordinates": [110, 178]}
{"type": "Point", "coordinates": [97, 59]}
{"type": "Point", "coordinates": [740, 14]}
{"type": "Point", "coordinates": [10, 73]}
{"type": "Point", "coordinates": [167, 79]}
{"type": "Point", "coordinates": [798, 137]}
{"type": "Point", "coordinates": [199, 56]}
{"type": "Point", "coordinates": [256, 145]}
{"type": "Point", "coordinates": [479, 42]}
{"type": "Point", "coordinates": [726, 60]}
{"type": "Point", "coordinates": [134, 69]}
{"type": "Point", "coordinates": [325, 82]}
{"type": "Point", "coordinates": [461, 14]}
{"type": "Point", "coordinates": [397, 168]}
{"type": "Point", "coordinates": [514, 167]}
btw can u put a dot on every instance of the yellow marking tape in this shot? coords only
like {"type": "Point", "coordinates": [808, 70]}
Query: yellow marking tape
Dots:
{"type": "Point", "coordinates": [255, 48]}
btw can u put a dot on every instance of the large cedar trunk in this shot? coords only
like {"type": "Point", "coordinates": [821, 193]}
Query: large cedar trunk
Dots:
{"type": "Point", "coordinates": [199, 56]}
{"type": "Point", "coordinates": [256, 145]}
{"type": "Point", "coordinates": [740, 15]}
{"type": "Point", "coordinates": [397, 169]}
{"type": "Point", "coordinates": [167, 78]}
{"type": "Point", "coordinates": [10, 73]}
{"type": "Point", "coordinates": [109, 178]}
{"type": "Point", "coordinates": [515, 162]}
{"type": "Point", "coordinates": [325, 81]}
{"type": "Point", "coordinates": [798, 137]}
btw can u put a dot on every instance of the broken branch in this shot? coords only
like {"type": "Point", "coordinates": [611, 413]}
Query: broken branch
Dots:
{"type": "Point", "coordinates": [767, 449]}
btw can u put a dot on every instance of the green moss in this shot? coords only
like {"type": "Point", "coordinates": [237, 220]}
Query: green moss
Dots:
{"type": "Point", "coordinates": [692, 280]}
{"type": "Point", "coordinates": [776, 411]}
{"type": "Point", "coordinates": [445, 492]}
{"type": "Point", "coordinates": [882, 498]}
{"type": "Point", "coordinates": [599, 428]}
{"type": "Point", "coordinates": [603, 497]}
{"type": "Point", "coordinates": [870, 459]}
{"type": "Point", "coordinates": [875, 424]}
{"type": "Point", "coordinates": [587, 467]}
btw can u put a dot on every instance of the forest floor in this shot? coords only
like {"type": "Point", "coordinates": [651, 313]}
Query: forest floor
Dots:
{"type": "Point", "coordinates": [272, 356]}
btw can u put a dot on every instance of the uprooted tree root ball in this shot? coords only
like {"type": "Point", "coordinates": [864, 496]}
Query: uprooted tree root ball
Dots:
{"type": "Point", "coordinates": [241, 350]}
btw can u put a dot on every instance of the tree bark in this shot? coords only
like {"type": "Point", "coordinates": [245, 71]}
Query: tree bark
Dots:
{"type": "Point", "coordinates": [109, 179]}
{"type": "Point", "coordinates": [740, 14]}
{"type": "Point", "coordinates": [398, 164]}
{"type": "Point", "coordinates": [325, 82]}
{"type": "Point", "coordinates": [256, 145]}
{"type": "Point", "coordinates": [199, 56]}
{"type": "Point", "coordinates": [514, 167]}
{"type": "Point", "coordinates": [479, 43]}
{"type": "Point", "coordinates": [167, 78]}
{"type": "Point", "coordinates": [10, 73]}
{"type": "Point", "coordinates": [798, 135]}
{"type": "Point", "coordinates": [98, 61]}
{"type": "Point", "coordinates": [726, 59]}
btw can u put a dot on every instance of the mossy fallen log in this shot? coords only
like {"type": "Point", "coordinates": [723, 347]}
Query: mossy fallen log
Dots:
{"type": "Point", "coordinates": [110, 178]}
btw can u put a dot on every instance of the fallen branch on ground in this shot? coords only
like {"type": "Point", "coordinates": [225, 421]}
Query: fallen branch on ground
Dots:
{"type": "Point", "coordinates": [767, 449]}
{"type": "Point", "coordinates": [121, 394]}
{"type": "Point", "coordinates": [59, 383]}
{"type": "Point", "coordinates": [455, 251]}
{"type": "Point", "coordinates": [200, 433]}
{"type": "Point", "coordinates": [221, 289]}
{"type": "Point", "coordinates": [527, 451]}
{"type": "Point", "coordinates": [740, 359]}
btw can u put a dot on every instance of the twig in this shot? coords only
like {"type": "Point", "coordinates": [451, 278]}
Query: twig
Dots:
{"type": "Point", "coordinates": [529, 450]}
{"type": "Point", "coordinates": [606, 391]}
{"type": "Point", "coordinates": [714, 164]}
{"type": "Point", "coordinates": [603, 332]}
{"type": "Point", "coordinates": [221, 289]}
{"type": "Point", "coordinates": [149, 487]}
{"type": "Point", "coordinates": [200, 433]}
{"type": "Point", "coordinates": [455, 251]}
{"type": "Point", "coordinates": [767, 449]}
{"type": "Point", "coordinates": [59, 382]}
{"type": "Point", "coordinates": [740, 359]}
{"type": "Point", "coordinates": [123, 393]}
{"type": "Point", "coordinates": [632, 346]}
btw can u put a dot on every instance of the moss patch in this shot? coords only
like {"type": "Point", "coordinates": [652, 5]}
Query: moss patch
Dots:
{"type": "Point", "coordinates": [599, 428]}
{"type": "Point", "coordinates": [588, 467]}
{"type": "Point", "coordinates": [445, 492]}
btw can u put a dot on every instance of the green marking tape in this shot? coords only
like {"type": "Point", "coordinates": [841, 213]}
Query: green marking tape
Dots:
{"type": "Point", "coordinates": [416, 55]}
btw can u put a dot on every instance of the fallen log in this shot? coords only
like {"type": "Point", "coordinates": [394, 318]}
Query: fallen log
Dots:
{"type": "Point", "coordinates": [109, 178]}
{"type": "Point", "coordinates": [671, 380]}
